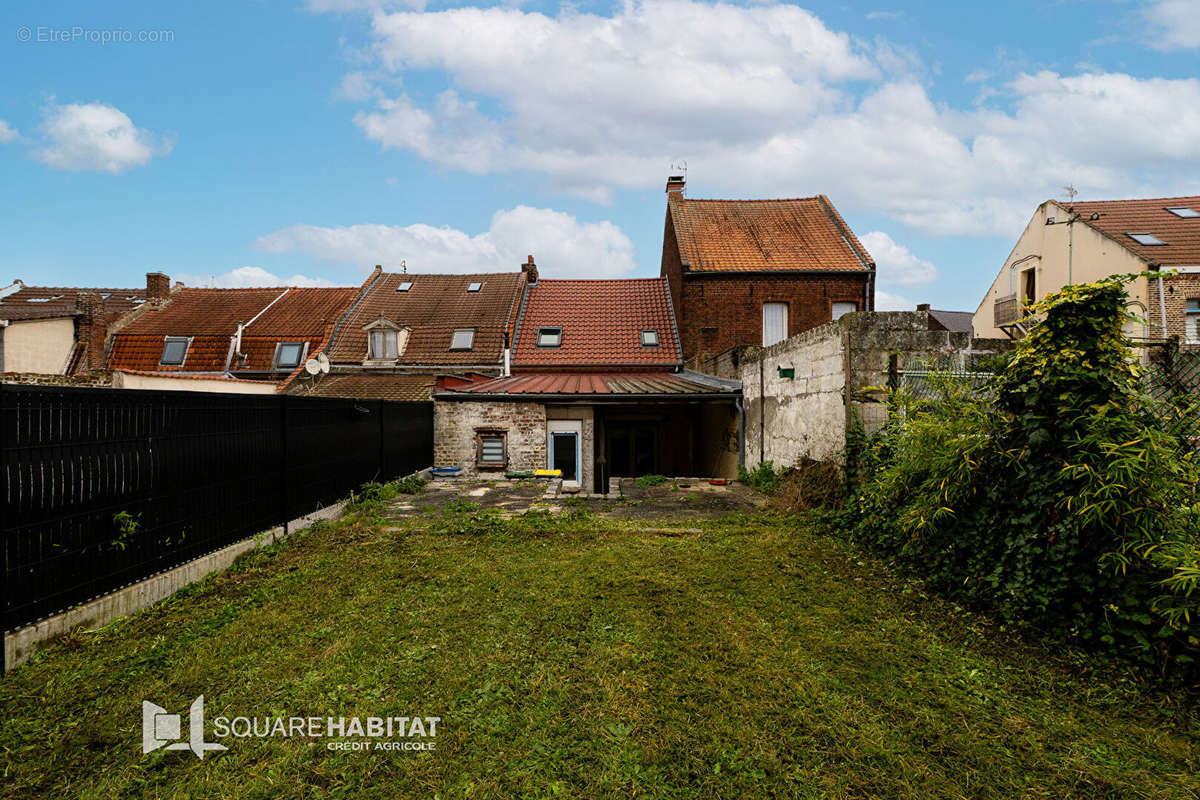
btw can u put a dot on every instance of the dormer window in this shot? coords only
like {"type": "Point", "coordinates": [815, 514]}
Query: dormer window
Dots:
{"type": "Point", "coordinates": [404, 286]}
{"type": "Point", "coordinates": [385, 341]}
{"type": "Point", "coordinates": [174, 351]}
{"type": "Point", "coordinates": [463, 339]}
{"type": "Point", "coordinates": [549, 337]}
{"type": "Point", "coordinates": [288, 355]}
{"type": "Point", "coordinates": [649, 338]}
{"type": "Point", "coordinates": [474, 286]}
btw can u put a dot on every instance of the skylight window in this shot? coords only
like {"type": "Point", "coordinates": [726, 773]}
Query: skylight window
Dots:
{"type": "Point", "coordinates": [474, 286]}
{"type": "Point", "coordinates": [1145, 238]}
{"type": "Point", "coordinates": [43, 299]}
{"type": "Point", "coordinates": [463, 339]}
{"type": "Point", "coordinates": [1184, 211]}
{"type": "Point", "coordinates": [649, 338]}
{"type": "Point", "coordinates": [174, 351]}
{"type": "Point", "coordinates": [404, 286]}
{"type": "Point", "coordinates": [288, 355]}
{"type": "Point", "coordinates": [549, 337]}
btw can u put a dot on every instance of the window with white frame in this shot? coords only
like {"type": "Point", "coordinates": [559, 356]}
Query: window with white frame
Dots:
{"type": "Point", "coordinates": [383, 345]}
{"type": "Point", "coordinates": [288, 355]}
{"type": "Point", "coordinates": [463, 339]}
{"type": "Point", "coordinates": [174, 351]}
{"type": "Point", "coordinates": [1191, 320]}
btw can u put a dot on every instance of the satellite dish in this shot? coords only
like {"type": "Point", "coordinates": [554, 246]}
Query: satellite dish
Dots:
{"type": "Point", "coordinates": [312, 366]}
{"type": "Point", "coordinates": [323, 363]}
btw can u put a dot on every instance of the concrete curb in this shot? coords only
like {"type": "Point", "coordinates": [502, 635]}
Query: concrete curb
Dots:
{"type": "Point", "coordinates": [21, 644]}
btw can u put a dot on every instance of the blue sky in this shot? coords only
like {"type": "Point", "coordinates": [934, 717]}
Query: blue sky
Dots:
{"type": "Point", "coordinates": [268, 142]}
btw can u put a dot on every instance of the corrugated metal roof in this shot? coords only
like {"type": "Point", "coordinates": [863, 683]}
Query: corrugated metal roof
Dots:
{"type": "Point", "coordinates": [631, 384]}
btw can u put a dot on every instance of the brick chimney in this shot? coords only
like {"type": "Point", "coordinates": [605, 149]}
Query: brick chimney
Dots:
{"type": "Point", "coordinates": [675, 184]}
{"type": "Point", "coordinates": [922, 306]}
{"type": "Point", "coordinates": [91, 329]}
{"type": "Point", "coordinates": [158, 286]}
{"type": "Point", "coordinates": [530, 270]}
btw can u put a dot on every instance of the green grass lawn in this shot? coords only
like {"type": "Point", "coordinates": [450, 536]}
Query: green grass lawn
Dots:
{"type": "Point", "coordinates": [753, 658]}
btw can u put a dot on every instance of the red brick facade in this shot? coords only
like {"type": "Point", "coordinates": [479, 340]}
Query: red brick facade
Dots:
{"type": "Point", "coordinates": [719, 310]}
{"type": "Point", "coordinates": [1178, 289]}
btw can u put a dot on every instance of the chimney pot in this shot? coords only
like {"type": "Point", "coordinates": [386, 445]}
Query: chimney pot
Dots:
{"type": "Point", "coordinates": [676, 184]}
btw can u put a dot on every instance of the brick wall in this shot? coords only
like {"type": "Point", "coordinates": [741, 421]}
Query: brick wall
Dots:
{"type": "Point", "coordinates": [1177, 290]}
{"type": "Point", "coordinates": [102, 378]}
{"type": "Point", "coordinates": [455, 423]}
{"type": "Point", "coordinates": [725, 310]}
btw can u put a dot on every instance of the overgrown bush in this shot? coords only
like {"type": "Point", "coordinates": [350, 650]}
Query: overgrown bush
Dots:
{"type": "Point", "coordinates": [763, 477]}
{"type": "Point", "coordinates": [808, 486]}
{"type": "Point", "coordinates": [411, 484]}
{"type": "Point", "coordinates": [648, 481]}
{"type": "Point", "coordinates": [1064, 500]}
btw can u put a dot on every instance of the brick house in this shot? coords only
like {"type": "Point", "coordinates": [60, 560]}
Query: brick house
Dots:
{"type": "Point", "coordinates": [402, 331]}
{"type": "Point", "coordinates": [226, 340]}
{"type": "Point", "coordinates": [755, 272]}
{"type": "Point", "coordinates": [597, 390]}
{"type": "Point", "coordinates": [1076, 242]}
{"type": "Point", "coordinates": [56, 330]}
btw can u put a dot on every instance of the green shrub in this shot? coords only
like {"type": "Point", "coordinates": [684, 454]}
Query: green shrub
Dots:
{"type": "Point", "coordinates": [1064, 500]}
{"type": "Point", "coordinates": [763, 477]}
{"type": "Point", "coordinates": [411, 484]}
{"type": "Point", "coordinates": [647, 481]}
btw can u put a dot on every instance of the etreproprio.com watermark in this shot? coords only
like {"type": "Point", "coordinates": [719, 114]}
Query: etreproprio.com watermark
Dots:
{"type": "Point", "coordinates": [75, 34]}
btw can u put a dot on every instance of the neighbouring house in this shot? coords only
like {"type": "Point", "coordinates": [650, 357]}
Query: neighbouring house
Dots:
{"type": "Point", "coordinates": [597, 390]}
{"type": "Point", "coordinates": [56, 330]}
{"type": "Point", "coordinates": [953, 321]}
{"type": "Point", "coordinates": [404, 331]}
{"type": "Point", "coordinates": [755, 272]}
{"type": "Point", "coordinates": [1078, 242]}
{"type": "Point", "coordinates": [226, 340]}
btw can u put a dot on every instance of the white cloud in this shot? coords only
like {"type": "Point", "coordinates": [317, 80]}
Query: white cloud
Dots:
{"type": "Point", "coordinates": [8, 133]}
{"type": "Point", "coordinates": [876, 16]}
{"type": "Point", "coordinates": [95, 136]}
{"type": "Point", "coordinates": [885, 301]}
{"type": "Point", "coordinates": [248, 278]}
{"type": "Point", "coordinates": [765, 100]}
{"type": "Point", "coordinates": [1173, 24]}
{"type": "Point", "coordinates": [561, 245]}
{"type": "Point", "coordinates": [895, 264]}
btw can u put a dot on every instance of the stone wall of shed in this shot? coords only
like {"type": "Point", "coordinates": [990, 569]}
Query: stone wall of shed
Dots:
{"type": "Point", "coordinates": [838, 371]}
{"type": "Point", "coordinates": [456, 423]}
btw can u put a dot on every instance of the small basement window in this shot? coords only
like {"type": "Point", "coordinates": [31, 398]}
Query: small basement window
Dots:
{"type": "Point", "coordinates": [1145, 238]}
{"type": "Point", "coordinates": [1184, 212]}
{"type": "Point", "coordinates": [174, 351]}
{"type": "Point", "coordinates": [474, 286]}
{"type": "Point", "coordinates": [650, 338]}
{"type": "Point", "coordinates": [288, 355]}
{"type": "Point", "coordinates": [549, 337]}
{"type": "Point", "coordinates": [404, 286]}
{"type": "Point", "coordinates": [491, 449]}
{"type": "Point", "coordinates": [463, 339]}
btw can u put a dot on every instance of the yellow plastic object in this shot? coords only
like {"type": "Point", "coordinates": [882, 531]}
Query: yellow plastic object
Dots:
{"type": "Point", "coordinates": [547, 473]}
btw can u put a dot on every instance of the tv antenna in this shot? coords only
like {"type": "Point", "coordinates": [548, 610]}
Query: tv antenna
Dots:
{"type": "Point", "coordinates": [403, 267]}
{"type": "Point", "coordinates": [1070, 192]}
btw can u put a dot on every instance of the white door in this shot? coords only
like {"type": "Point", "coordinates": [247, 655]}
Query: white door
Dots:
{"type": "Point", "coordinates": [563, 449]}
{"type": "Point", "coordinates": [775, 323]}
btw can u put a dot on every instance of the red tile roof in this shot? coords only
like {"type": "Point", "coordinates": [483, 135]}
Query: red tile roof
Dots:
{"type": "Point", "coordinates": [410, 388]}
{"type": "Point", "coordinates": [745, 235]}
{"type": "Point", "coordinates": [433, 308]}
{"type": "Point", "coordinates": [601, 323]}
{"type": "Point", "coordinates": [211, 316]}
{"type": "Point", "coordinates": [595, 384]}
{"type": "Point", "coordinates": [44, 302]}
{"type": "Point", "coordinates": [1119, 218]}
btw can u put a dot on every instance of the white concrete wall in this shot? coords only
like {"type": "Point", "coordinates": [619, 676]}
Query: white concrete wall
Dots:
{"type": "Point", "coordinates": [124, 380]}
{"type": "Point", "coordinates": [587, 447]}
{"type": "Point", "coordinates": [38, 345]}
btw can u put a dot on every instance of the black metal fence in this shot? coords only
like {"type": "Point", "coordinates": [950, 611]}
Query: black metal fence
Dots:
{"type": "Point", "coordinates": [105, 487]}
